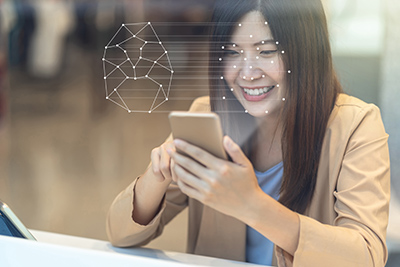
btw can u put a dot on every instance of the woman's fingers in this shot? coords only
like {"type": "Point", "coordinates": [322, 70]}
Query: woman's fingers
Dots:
{"type": "Point", "coordinates": [161, 161]}
{"type": "Point", "coordinates": [197, 153]}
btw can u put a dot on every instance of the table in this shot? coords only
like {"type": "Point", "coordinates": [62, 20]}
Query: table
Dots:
{"type": "Point", "coordinates": [62, 250]}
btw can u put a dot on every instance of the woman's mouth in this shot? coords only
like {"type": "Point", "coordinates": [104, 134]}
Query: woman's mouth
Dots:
{"type": "Point", "coordinates": [256, 94]}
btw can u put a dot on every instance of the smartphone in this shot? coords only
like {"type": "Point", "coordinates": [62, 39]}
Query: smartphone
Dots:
{"type": "Point", "coordinates": [200, 129]}
{"type": "Point", "coordinates": [10, 225]}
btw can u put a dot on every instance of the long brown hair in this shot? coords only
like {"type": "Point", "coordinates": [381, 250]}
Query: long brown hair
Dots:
{"type": "Point", "coordinates": [312, 87]}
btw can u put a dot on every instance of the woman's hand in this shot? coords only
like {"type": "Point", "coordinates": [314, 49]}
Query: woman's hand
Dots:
{"type": "Point", "coordinates": [223, 185]}
{"type": "Point", "coordinates": [161, 162]}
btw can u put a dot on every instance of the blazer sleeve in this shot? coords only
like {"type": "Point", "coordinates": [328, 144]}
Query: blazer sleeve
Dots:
{"type": "Point", "coordinates": [358, 234]}
{"type": "Point", "coordinates": [123, 231]}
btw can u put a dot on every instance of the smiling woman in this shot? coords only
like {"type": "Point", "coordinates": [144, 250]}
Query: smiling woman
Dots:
{"type": "Point", "coordinates": [309, 171]}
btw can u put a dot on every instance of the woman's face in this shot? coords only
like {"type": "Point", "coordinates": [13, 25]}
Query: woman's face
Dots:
{"type": "Point", "coordinates": [253, 68]}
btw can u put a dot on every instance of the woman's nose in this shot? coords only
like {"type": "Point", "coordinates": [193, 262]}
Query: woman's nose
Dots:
{"type": "Point", "coordinates": [250, 69]}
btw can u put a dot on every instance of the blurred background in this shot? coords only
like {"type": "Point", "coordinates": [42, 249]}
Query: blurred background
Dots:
{"type": "Point", "coordinates": [66, 151]}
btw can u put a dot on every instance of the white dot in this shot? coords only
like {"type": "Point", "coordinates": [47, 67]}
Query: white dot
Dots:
{"type": "Point", "coordinates": [289, 71]}
{"type": "Point", "coordinates": [222, 77]}
{"type": "Point", "coordinates": [115, 89]}
{"type": "Point", "coordinates": [123, 24]}
{"type": "Point", "coordinates": [244, 77]}
{"type": "Point", "coordinates": [251, 36]}
{"type": "Point", "coordinates": [231, 89]}
{"type": "Point", "coordinates": [103, 59]}
{"type": "Point", "coordinates": [117, 45]}
{"type": "Point", "coordinates": [166, 52]}
{"type": "Point", "coordinates": [240, 24]}
{"type": "Point", "coordinates": [266, 112]}
{"type": "Point", "coordinates": [117, 67]}
{"type": "Point", "coordinates": [223, 97]}
{"type": "Point", "coordinates": [105, 47]}
{"type": "Point", "coordinates": [251, 67]}
{"type": "Point", "coordinates": [266, 23]}
{"type": "Point", "coordinates": [135, 78]}
{"type": "Point", "coordinates": [277, 42]}
{"type": "Point", "coordinates": [128, 58]}
{"type": "Point", "coordinates": [234, 66]}
{"type": "Point", "coordinates": [246, 111]}
{"type": "Point", "coordinates": [272, 61]}
{"type": "Point", "coordinates": [258, 48]}
{"type": "Point", "coordinates": [257, 57]}
{"type": "Point", "coordinates": [277, 85]}
{"type": "Point", "coordinates": [283, 52]}
{"type": "Point", "coordinates": [155, 62]}
{"type": "Point", "coordinates": [223, 47]}
{"type": "Point", "coordinates": [166, 99]}
{"type": "Point", "coordinates": [127, 77]}
{"type": "Point", "coordinates": [149, 111]}
{"type": "Point", "coordinates": [159, 42]}
{"type": "Point", "coordinates": [283, 99]}
{"type": "Point", "coordinates": [140, 57]}
{"type": "Point", "coordinates": [220, 59]}
{"type": "Point", "coordinates": [107, 97]}
{"type": "Point", "coordinates": [148, 22]}
{"type": "Point", "coordinates": [245, 58]}
{"type": "Point", "coordinates": [129, 111]}
{"type": "Point", "coordinates": [134, 36]}
{"type": "Point", "coordinates": [262, 42]}
{"type": "Point", "coordinates": [234, 45]}
{"type": "Point", "coordinates": [172, 71]}
{"type": "Point", "coordinates": [124, 51]}
{"type": "Point", "coordinates": [105, 78]}
{"type": "Point", "coordinates": [252, 78]}
{"type": "Point", "coordinates": [263, 76]}
{"type": "Point", "coordinates": [146, 75]}
{"type": "Point", "coordinates": [145, 42]}
{"type": "Point", "coordinates": [241, 51]}
{"type": "Point", "coordinates": [141, 48]}
{"type": "Point", "coordinates": [133, 67]}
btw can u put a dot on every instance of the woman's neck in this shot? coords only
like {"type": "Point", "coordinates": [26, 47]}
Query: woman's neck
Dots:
{"type": "Point", "coordinates": [267, 145]}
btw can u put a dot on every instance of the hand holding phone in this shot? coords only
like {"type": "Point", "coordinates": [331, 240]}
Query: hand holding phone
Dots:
{"type": "Point", "coordinates": [200, 129]}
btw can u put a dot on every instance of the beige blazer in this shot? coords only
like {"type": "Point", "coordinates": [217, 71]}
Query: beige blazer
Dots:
{"type": "Point", "coordinates": [345, 224]}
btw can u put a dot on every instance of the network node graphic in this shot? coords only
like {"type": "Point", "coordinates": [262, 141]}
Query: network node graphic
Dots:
{"type": "Point", "coordinates": [137, 69]}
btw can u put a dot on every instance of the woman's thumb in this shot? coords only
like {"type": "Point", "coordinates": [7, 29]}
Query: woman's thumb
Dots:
{"type": "Point", "coordinates": [234, 151]}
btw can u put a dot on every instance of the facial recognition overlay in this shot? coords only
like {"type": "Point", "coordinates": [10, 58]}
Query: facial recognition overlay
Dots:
{"type": "Point", "coordinates": [148, 67]}
{"type": "Point", "coordinates": [137, 68]}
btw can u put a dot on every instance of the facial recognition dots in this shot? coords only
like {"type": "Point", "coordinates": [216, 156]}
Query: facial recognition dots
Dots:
{"type": "Point", "coordinates": [119, 89]}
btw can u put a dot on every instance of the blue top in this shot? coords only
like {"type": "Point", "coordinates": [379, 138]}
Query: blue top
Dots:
{"type": "Point", "coordinates": [259, 249]}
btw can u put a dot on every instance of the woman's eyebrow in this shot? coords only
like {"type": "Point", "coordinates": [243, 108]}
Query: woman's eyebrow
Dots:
{"type": "Point", "coordinates": [262, 42]}
{"type": "Point", "coordinates": [266, 41]}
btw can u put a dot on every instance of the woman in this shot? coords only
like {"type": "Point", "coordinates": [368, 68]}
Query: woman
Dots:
{"type": "Point", "coordinates": [309, 169]}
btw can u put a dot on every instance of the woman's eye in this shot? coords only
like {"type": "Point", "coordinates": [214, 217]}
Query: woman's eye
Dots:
{"type": "Point", "coordinates": [231, 53]}
{"type": "Point", "coordinates": [268, 52]}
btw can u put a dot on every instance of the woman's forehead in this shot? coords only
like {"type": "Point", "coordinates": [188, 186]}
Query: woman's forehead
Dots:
{"type": "Point", "coordinates": [252, 28]}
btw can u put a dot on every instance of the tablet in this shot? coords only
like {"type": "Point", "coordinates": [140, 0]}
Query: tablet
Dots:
{"type": "Point", "coordinates": [200, 129]}
{"type": "Point", "coordinates": [10, 225]}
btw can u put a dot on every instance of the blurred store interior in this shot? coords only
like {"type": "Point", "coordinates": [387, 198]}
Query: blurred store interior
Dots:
{"type": "Point", "coordinates": [66, 151]}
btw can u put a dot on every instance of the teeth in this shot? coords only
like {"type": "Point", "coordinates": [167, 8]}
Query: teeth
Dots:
{"type": "Point", "coordinates": [257, 92]}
